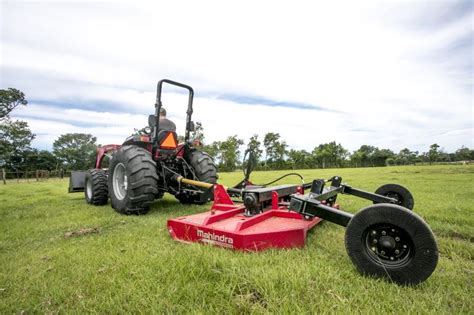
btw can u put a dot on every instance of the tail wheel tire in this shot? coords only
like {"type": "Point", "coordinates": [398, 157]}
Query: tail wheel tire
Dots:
{"type": "Point", "coordinates": [401, 194]}
{"type": "Point", "coordinates": [205, 171]}
{"type": "Point", "coordinates": [96, 191]}
{"type": "Point", "coordinates": [132, 180]}
{"type": "Point", "coordinates": [391, 242]}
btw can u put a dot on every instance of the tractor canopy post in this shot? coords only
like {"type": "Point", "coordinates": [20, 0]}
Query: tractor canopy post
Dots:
{"type": "Point", "coordinates": [158, 105]}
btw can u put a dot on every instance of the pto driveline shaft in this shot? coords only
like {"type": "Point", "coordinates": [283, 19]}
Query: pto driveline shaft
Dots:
{"type": "Point", "coordinates": [181, 179]}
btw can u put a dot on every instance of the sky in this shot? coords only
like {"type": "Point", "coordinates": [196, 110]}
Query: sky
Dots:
{"type": "Point", "coordinates": [383, 73]}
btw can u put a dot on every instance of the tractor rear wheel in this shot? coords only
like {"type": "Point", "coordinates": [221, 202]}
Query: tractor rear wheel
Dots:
{"type": "Point", "coordinates": [96, 191]}
{"type": "Point", "coordinates": [205, 171]}
{"type": "Point", "coordinates": [389, 241]}
{"type": "Point", "coordinates": [132, 180]}
{"type": "Point", "coordinates": [401, 194]}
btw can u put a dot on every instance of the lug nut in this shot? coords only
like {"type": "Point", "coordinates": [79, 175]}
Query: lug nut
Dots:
{"type": "Point", "coordinates": [373, 249]}
{"type": "Point", "coordinates": [397, 252]}
{"type": "Point", "coordinates": [374, 232]}
{"type": "Point", "coordinates": [384, 233]}
{"type": "Point", "coordinates": [404, 246]}
{"type": "Point", "coordinates": [375, 241]}
{"type": "Point", "coordinates": [382, 252]}
{"type": "Point", "coordinates": [397, 239]}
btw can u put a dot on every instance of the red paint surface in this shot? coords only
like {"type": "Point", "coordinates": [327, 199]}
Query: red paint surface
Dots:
{"type": "Point", "coordinates": [226, 225]}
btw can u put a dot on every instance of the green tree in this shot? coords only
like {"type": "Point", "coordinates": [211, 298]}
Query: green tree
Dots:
{"type": "Point", "coordinates": [40, 160]}
{"type": "Point", "coordinates": [254, 147]}
{"type": "Point", "coordinates": [433, 153]}
{"type": "Point", "coordinates": [380, 156]}
{"type": "Point", "coordinates": [15, 140]}
{"type": "Point", "coordinates": [330, 154]}
{"type": "Point", "coordinates": [76, 151]}
{"type": "Point", "coordinates": [198, 133]}
{"type": "Point", "coordinates": [227, 152]}
{"type": "Point", "coordinates": [464, 154]}
{"type": "Point", "coordinates": [15, 136]}
{"type": "Point", "coordinates": [9, 100]}
{"type": "Point", "coordinates": [405, 157]}
{"type": "Point", "coordinates": [299, 159]}
{"type": "Point", "coordinates": [275, 150]}
{"type": "Point", "coordinates": [363, 156]}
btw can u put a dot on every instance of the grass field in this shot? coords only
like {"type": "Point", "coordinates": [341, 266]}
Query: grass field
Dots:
{"type": "Point", "coordinates": [128, 264]}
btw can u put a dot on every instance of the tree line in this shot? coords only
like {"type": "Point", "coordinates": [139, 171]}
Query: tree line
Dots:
{"type": "Point", "coordinates": [76, 151]}
{"type": "Point", "coordinates": [273, 154]}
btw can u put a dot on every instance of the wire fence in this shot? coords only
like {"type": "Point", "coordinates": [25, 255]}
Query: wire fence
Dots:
{"type": "Point", "coordinates": [31, 176]}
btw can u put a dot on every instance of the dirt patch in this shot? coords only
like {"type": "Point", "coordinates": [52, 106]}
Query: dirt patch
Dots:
{"type": "Point", "coordinates": [82, 232]}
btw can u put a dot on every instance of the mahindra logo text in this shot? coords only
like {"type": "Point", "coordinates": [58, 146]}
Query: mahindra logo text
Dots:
{"type": "Point", "coordinates": [215, 237]}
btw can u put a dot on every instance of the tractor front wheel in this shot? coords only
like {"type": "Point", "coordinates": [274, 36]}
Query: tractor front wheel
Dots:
{"type": "Point", "coordinates": [389, 241]}
{"type": "Point", "coordinates": [96, 191]}
{"type": "Point", "coordinates": [132, 180]}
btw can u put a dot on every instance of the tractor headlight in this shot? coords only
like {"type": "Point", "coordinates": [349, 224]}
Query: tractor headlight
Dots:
{"type": "Point", "coordinates": [147, 130]}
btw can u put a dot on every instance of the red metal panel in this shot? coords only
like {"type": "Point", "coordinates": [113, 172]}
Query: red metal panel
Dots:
{"type": "Point", "coordinates": [227, 226]}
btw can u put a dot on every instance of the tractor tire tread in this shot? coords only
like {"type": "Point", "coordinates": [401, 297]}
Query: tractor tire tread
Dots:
{"type": "Point", "coordinates": [425, 257]}
{"type": "Point", "coordinates": [142, 180]}
{"type": "Point", "coordinates": [100, 193]}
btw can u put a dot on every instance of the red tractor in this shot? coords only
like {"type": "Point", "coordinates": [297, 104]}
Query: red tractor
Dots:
{"type": "Point", "coordinates": [147, 165]}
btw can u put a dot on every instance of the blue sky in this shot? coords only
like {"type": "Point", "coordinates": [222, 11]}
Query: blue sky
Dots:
{"type": "Point", "coordinates": [389, 74]}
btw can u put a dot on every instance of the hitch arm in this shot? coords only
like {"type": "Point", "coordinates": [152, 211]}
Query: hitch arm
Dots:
{"type": "Point", "coordinates": [314, 208]}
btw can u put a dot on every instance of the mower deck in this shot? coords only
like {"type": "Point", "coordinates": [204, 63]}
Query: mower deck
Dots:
{"type": "Point", "coordinates": [226, 225]}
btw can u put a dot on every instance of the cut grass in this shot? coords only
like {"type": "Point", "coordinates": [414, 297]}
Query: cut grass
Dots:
{"type": "Point", "coordinates": [59, 254]}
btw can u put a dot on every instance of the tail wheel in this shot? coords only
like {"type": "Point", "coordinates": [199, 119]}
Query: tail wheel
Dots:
{"type": "Point", "coordinates": [96, 191]}
{"type": "Point", "coordinates": [205, 171]}
{"type": "Point", "coordinates": [392, 242]}
{"type": "Point", "coordinates": [132, 180]}
{"type": "Point", "coordinates": [401, 194]}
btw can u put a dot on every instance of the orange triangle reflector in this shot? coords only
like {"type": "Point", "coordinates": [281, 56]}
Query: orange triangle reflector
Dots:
{"type": "Point", "coordinates": [169, 142]}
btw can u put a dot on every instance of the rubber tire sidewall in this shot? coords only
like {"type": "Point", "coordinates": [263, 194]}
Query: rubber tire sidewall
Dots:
{"type": "Point", "coordinates": [142, 180]}
{"type": "Point", "coordinates": [98, 179]}
{"type": "Point", "coordinates": [415, 270]}
{"type": "Point", "coordinates": [205, 171]}
{"type": "Point", "coordinates": [408, 200]}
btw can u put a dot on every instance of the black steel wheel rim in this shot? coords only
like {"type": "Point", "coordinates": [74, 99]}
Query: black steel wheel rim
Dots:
{"type": "Point", "coordinates": [388, 244]}
{"type": "Point", "coordinates": [396, 196]}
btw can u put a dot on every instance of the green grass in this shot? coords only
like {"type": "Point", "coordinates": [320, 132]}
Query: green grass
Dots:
{"type": "Point", "coordinates": [132, 265]}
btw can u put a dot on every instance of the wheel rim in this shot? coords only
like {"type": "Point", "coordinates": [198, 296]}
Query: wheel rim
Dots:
{"type": "Point", "coordinates": [388, 244]}
{"type": "Point", "coordinates": [119, 181]}
{"type": "Point", "coordinates": [89, 189]}
{"type": "Point", "coordinates": [396, 196]}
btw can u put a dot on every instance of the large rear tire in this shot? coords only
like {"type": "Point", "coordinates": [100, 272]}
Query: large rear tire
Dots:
{"type": "Point", "coordinates": [205, 170]}
{"type": "Point", "coordinates": [132, 180]}
{"type": "Point", "coordinates": [389, 241]}
{"type": "Point", "coordinates": [96, 191]}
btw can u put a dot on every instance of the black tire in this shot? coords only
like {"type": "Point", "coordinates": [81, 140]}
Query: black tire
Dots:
{"type": "Point", "coordinates": [205, 171]}
{"type": "Point", "coordinates": [138, 172]}
{"type": "Point", "coordinates": [403, 195]}
{"type": "Point", "coordinates": [95, 187]}
{"type": "Point", "coordinates": [391, 242]}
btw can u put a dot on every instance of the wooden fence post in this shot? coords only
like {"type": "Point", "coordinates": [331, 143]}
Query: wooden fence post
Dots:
{"type": "Point", "coordinates": [37, 176]}
{"type": "Point", "coordinates": [4, 177]}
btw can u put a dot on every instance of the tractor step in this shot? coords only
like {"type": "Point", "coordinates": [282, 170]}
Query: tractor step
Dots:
{"type": "Point", "coordinates": [227, 225]}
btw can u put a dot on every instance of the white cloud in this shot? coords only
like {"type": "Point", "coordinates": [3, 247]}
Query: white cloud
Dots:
{"type": "Point", "coordinates": [360, 59]}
